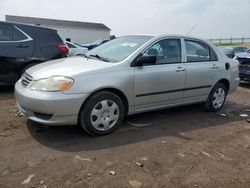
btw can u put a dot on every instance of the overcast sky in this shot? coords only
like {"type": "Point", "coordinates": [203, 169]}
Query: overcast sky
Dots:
{"type": "Point", "coordinates": [208, 18]}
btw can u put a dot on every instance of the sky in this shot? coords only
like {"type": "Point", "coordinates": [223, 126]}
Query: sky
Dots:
{"type": "Point", "coordinates": [201, 18]}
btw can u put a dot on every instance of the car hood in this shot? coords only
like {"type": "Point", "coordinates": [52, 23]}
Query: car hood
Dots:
{"type": "Point", "coordinates": [243, 55]}
{"type": "Point", "coordinates": [71, 67]}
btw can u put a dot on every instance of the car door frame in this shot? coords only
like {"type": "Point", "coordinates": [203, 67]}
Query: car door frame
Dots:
{"type": "Point", "coordinates": [145, 107]}
{"type": "Point", "coordinates": [213, 66]}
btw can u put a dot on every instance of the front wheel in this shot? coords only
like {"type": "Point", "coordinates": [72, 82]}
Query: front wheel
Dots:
{"type": "Point", "coordinates": [216, 98]}
{"type": "Point", "coordinates": [102, 113]}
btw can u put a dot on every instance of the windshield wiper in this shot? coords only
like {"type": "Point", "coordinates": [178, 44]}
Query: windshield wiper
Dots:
{"type": "Point", "coordinates": [83, 55]}
{"type": "Point", "coordinates": [100, 57]}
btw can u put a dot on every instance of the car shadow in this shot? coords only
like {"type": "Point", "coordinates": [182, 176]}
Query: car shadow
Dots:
{"type": "Point", "coordinates": [6, 88]}
{"type": "Point", "coordinates": [7, 91]}
{"type": "Point", "coordinates": [137, 128]}
{"type": "Point", "coordinates": [245, 84]}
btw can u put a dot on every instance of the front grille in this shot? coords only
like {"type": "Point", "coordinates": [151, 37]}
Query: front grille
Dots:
{"type": "Point", "coordinates": [26, 79]}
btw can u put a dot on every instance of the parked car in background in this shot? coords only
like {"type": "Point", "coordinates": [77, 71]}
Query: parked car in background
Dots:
{"type": "Point", "coordinates": [94, 44]}
{"type": "Point", "coordinates": [244, 66]}
{"type": "Point", "coordinates": [22, 46]}
{"type": "Point", "coordinates": [231, 51]}
{"type": "Point", "coordinates": [128, 75]}
{"type": "Point", "coordinates": [75, 49]}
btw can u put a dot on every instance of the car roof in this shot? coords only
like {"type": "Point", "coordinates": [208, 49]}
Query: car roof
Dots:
{"type": "Point", "coordinates": [27, 25]}
{"type": "Point", "coordinates": [170, 36]}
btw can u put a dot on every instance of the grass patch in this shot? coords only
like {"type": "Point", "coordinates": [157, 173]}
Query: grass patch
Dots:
{"type": "Point", "coordinates": [232, 44]}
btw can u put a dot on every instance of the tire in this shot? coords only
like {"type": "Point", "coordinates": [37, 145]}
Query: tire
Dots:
{"type": "Point", "coordinates": [102, 113]}
{"type": "Point", "coordinates": [216, 98]}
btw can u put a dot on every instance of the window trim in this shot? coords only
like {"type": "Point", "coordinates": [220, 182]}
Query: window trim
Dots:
{"type": "Point", "coordinates": [204, 43]}
{"type": "Point", "coordinates": [152, 44]}
{"type": "Point", "coordinates": [28, 38]}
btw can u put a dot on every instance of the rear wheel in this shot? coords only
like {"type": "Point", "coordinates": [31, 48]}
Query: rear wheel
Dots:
{"type": "Point", "coordinates": [216, 98]}
{"type": "Point", "coordinates": [102, 113]}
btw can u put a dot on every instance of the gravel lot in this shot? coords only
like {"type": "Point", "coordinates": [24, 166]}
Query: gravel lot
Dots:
{"type": "Point", "coordinates": [180, 147]}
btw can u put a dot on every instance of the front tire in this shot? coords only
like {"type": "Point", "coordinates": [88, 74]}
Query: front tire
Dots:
{"type": "Point", "coordinates": [102, 113]}
{"type": "Point", "coordinates": [216, 98]}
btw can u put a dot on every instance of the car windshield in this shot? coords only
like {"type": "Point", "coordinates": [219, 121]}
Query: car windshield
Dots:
{"type": "Point", "coordinates": [118, 49]}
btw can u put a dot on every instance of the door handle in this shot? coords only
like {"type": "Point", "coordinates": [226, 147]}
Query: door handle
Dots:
{"type": "Point", "coordinates": [180, 69]}
{"type": "Point", "coordinates": [214, 66]}
{"type": "Point", "coordinates": [22, 46]}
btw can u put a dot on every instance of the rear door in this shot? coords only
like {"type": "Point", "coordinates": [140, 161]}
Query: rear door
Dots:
{"type": "Point", "coordinates": [202, 69]}
{"type": "Point", "coordinates": [15, 43]}
{"type": "Point", "coordinates": [16, 47]}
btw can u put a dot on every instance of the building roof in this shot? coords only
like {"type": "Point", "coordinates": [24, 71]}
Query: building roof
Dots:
{"type": "Point", "coordinates": [53, 22]}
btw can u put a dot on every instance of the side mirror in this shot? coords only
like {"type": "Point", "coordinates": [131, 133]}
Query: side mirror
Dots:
{"type": "Point", "coordinates": [146, 59]}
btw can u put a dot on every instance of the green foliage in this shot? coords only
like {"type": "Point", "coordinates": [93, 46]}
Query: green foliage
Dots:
{"type": "Point", "coordinates": [232, 44]}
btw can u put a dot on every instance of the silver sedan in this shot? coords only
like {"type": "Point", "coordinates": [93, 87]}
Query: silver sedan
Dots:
{"type": "Point", "coordinates": [128, 75]}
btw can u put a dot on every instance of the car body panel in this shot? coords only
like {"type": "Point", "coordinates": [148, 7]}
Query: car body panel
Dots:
{"type": "Point", "coordinates": [72, 66]}
{"type": "Point", "coordinates": [154, 85]}
{"type": "Point", "coordinates": [64, 108]}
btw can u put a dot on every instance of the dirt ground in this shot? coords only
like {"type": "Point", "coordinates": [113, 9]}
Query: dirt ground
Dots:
{"type": "Point", "coordinates": [180, 147]}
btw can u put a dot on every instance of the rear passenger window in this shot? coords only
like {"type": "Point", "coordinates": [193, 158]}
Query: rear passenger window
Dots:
{"type": "Point", "coordinates": [5, 32]}
{"type": "Point", "coordinates": [18, 35]}
{"type": "Point", "coordinates": [198, 52]}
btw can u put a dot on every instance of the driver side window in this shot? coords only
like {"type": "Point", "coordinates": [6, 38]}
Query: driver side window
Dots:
{"type": "Point", "coordinates": [166, 51]}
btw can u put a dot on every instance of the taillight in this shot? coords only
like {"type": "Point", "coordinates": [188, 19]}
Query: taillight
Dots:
{"type": "Point", "coordinates": [63, 48]}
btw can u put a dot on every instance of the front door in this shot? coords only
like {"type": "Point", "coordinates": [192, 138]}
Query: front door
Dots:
{"type": "Point", "coordinates": [162, 83]}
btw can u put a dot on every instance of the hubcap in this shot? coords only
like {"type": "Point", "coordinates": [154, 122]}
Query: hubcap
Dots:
{"type": "Point", "coordinates": [218, 98]}
{"type": "Point", "coordinates": [104, 115]}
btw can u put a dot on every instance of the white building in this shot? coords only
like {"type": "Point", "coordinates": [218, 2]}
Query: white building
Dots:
{"type": "Point", "coordinates": [73, 31]}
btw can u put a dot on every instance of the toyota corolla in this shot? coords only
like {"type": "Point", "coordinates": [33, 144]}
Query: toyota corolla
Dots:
{"type": "Point", "coordinates": [128, 75]}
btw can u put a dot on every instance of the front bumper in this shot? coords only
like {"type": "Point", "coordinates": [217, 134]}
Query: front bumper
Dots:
{"type": "Point", "coordinates": [50, 108]}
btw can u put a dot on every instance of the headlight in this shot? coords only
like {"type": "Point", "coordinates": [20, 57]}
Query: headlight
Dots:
{"type": "Point", "coordinates": [55, 83]}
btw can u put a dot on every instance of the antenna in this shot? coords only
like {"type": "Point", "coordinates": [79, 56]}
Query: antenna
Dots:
{"type": "Point", "coordinates": [191, 29]}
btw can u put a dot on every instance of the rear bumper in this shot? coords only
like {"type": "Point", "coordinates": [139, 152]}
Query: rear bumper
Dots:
{"type": "Point", "coordinates": [50, 108]}
{"type": "Point", "coordinates": [234, 84]}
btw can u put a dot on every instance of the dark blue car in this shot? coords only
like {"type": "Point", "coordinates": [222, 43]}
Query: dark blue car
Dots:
{"type": "Point", "coordinates": [94, 44]}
